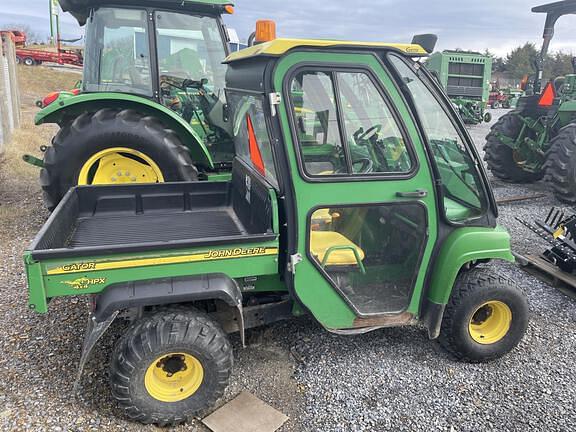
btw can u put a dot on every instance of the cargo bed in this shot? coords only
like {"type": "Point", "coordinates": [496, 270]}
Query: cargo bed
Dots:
{"type": "Point", "coordinates": [117, 219]}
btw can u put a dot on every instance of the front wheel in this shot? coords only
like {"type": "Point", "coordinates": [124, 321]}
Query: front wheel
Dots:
{"type": "Point", "coordinates": [170, 366]}
{"type": "Point", "coordinates": [113, 146]}
{"type": "Point", "coordinates": [29, 61]}
{"type": "Point", "coordinates": [485, 318]}
{"type": "Point", "coordinates": [561, 164]}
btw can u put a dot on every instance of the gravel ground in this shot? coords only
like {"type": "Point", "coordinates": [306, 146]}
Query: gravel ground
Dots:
{"type": "Point", "coordinates": [392, 379]}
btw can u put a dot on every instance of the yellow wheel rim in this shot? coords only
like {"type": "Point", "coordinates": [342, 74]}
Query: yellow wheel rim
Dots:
{"type": "Point", "coordinates": [118, 165]}
{"type": "Point", "coordinates": [490, 323]}
{"type": "Point", "coordinates": [174, 377]}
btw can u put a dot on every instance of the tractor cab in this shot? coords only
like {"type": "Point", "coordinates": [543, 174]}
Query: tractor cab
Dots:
{"type": "Point", "coordinates": [173, 56]}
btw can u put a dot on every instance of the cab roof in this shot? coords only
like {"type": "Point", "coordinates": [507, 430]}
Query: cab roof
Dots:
{"type": "Point", "coordinates": [81, 8]}
{"type": "Point", "coordinates": [279, 47]}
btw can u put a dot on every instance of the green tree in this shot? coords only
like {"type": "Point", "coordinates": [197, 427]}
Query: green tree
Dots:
{"type": "Point", "coordinates": [520, 61]}
{"type": "Point", "coordinates": [558, 64]}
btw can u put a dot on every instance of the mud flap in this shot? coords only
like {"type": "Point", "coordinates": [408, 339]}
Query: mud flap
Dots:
{"type": "Point", "coordinates": [94, 332]}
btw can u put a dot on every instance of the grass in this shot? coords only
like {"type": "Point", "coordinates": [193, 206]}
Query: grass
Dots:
{"type": "Point", "coordinates": [34, 83]}
{"type": "Point", "coordinates": [19, 188]}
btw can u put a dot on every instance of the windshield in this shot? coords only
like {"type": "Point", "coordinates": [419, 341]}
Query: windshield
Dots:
{"type": "Point", "coordinates": [464, 197]}
{"type": "Point", "coordinates": [190, 48]}
{"type": "Point", "coordinates": [117, 54]}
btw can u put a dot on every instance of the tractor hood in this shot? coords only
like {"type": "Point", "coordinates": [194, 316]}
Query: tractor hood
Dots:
{"type": "Point", "coordinates": [80, 9]}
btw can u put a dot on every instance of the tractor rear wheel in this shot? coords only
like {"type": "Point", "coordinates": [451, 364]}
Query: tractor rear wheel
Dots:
{"type": "Point", "coordinates": [502, 160]}
{"type": "Point", "coordinates": [561, 164]}
{"type": "Point", "coordinates": [485, 318]}
{"type": "Point", "coordinates": [112, 146]}
{"type": "Point", "coordinates": [170, 366]}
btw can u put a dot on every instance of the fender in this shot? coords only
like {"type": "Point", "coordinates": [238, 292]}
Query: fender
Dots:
{"type": "Point", "coordinates": [70, 106]}
{"type": "Point", "coordinates": [157, 292]}
{"type": "Point", "coordinates": [567, 112]}
{"type": "Point", "coordinates": [462, 246]}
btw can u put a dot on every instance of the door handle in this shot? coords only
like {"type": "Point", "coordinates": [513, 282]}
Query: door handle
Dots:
{"type": "Point", "coordinates": [418, 193]}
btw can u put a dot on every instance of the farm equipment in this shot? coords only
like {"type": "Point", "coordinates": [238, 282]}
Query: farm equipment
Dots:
{"type": "Point", "coordinates": [34, 57]}
{"type": "Point", "coordinates": [557, 264]}
{"type": "Point", "coordinates": [17, 36]}
{"type": "Point", "coordinates": [466, 78]}
{"type": "Point", "coordinates": [152, 106]}
{"type": "Point", "coordinates": [538, 138]}
{"type": "Point", "coordinates": [356, 196]}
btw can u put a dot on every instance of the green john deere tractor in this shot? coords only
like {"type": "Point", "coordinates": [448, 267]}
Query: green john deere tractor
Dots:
{"type": "Point", "coordinates": [538, 138]}
{"type": "Point", "coordinates": [151, 107]}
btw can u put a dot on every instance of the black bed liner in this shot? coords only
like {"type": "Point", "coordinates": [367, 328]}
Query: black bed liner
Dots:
{"type": "Point", "coordinates": [100, 220]}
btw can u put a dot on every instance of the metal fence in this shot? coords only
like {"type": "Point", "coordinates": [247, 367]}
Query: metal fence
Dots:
{"type": "Point", "coordinates": [9, 91]}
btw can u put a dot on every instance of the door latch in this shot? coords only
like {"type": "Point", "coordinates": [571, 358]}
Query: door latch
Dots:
{"type": "Point", "coordinates": [275, 99]}
{"type": "Point", "coordinates": [294, 261]}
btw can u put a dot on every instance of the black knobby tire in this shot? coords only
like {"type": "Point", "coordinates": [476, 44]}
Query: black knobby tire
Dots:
{"type": "Point", "coordinates": [183, 331]}
{"type": "Point", "coordinates": [500, 158]}
{"type": "Point", "coordinates": [561, 164]}
{"type": "Point", "coordinates": [92, 132]}
{"type": "Point", "coordinates": [471, 290]}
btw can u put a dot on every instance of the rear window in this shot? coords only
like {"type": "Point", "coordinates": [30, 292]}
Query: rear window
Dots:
{"type": "Point", "coordinates": [250, 132]}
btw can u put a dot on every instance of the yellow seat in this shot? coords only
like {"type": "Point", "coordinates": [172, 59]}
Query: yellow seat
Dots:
{"type": "Point", "coordinates": [321, 241]}
{"type": "Point", "coordinates": [322, 216]}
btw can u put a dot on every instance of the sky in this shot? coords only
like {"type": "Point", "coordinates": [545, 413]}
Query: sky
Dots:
{"type": "Point", "coordinates": [497, 25]}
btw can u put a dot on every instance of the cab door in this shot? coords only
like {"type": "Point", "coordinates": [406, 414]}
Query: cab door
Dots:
{"type": "Point", "coordinates": [366, 218]}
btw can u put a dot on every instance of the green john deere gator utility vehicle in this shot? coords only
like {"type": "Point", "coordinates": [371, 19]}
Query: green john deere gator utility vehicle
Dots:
{"type": "Point", "coordinates": [151, 107]}
{"type": "Point", "coordinates": [538, 138]}
{"type": "Point", "coordinates": [356, 197]}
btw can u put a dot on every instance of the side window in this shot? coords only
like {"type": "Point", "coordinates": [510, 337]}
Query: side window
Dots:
{"type": "Point", "coordinates": [345, 127]}
{"type": "Point", "coordinates": [372, 132]}
{"type": "Point", "coordinates": [464, 197]}
{"type": "Point", "coordinates": [251, 138]}
{"type": "Point", "coordinates": [370, 253]}
{"type": "Point", "coordinates": [317, 123]}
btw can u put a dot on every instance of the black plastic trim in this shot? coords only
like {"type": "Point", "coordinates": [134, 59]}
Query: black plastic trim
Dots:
{"type": "Point", "coordinates": [155, 292]}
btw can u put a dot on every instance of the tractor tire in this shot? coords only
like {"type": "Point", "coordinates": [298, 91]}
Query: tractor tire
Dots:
{"type": "Point", "coordinates": [29, 61]}
{"type": "Point", "coordinates": [561, 164]}
{"type": "Point", "coordinates": [487, 117]}
{"type": "Point", "coordinates": [134, 139]}
{"type": "Point", "coordinates": [500, 158]}
{"type": "Point", "coordinates": [170, 366]}
{"type": "Point", "coordinates": [485, 318]}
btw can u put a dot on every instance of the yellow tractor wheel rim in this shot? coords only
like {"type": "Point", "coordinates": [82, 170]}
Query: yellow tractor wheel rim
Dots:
{"type": "Point", "coordinates": [173, 377]}
{"type": "Point", "coordinates": [490, 323]}
{"type": "Point", "coordinates": [119, 165]}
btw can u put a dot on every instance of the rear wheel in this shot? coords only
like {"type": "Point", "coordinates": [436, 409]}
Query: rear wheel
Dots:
{"type": "Point", "coordinates": [486, 317]}
{"type": "Point", "coordinates": [113, 147]}
{"type": "Point", "coordinates": [504, 162]}
{"type": "Point", "coordinates": [170, 366]}
{"type": "Point", "coordinates": [18, 60]}
{"type": "Point", "coordinates": [29, 61]}
{"type": "Point", "coordinates": [561, 164]}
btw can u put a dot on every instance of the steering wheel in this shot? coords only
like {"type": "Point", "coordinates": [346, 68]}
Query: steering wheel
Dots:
{"type": "Point", "coordinates": [366, 167]}
{"type": "Point", "coordinates": [368, 133]}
